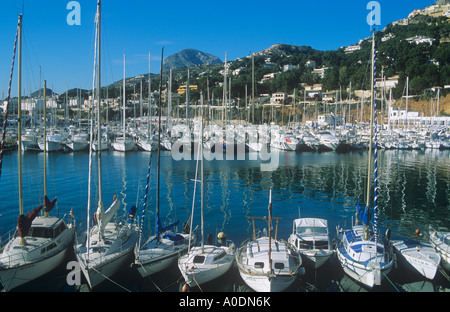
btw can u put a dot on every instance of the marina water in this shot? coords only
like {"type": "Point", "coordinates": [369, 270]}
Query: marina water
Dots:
{"type": "Point", "coordinates": [414, 192]}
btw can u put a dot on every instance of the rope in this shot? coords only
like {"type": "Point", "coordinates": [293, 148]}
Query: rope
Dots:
{"type": "Point", "coordinates": [7, 99]}
{"type": "Point", "coordinates": [106, 277]}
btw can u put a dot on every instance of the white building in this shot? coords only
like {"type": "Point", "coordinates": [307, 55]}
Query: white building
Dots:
{"type": "Point", "coordinates": [420, 39]}
{"type": "Point", "coordinates": [278, 98]}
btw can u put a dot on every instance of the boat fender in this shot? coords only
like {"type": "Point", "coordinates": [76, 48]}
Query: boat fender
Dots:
{"type": "Point", "coordinates": [387, 235]}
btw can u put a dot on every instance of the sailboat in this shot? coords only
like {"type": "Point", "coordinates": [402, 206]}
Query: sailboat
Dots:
{"type": "Point", "coordinates": [265, 263]}
{"type": "Point", "coordinates": [363, 255]}
{"type": "Point", "coordinates": [205, 263]}
{"type": "Point", "coordinates": [107, 246]}
{"type": "Point", "coordinates": [123, 143]}
{"type": "Point", "coordinates": [161, 250]}
{"type": "Point", "coordinates": [40, 243]}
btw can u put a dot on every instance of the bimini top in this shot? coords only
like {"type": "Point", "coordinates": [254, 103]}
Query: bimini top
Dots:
{"type": "Point", "coordinates": [310, 222]}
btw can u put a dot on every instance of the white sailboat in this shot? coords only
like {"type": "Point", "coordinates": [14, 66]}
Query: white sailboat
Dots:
{"type": "Point", "coordinates": [161, 250]}
{"type": "Point", "coordinates": [40, 243]}
{"type": "Point", "coordinates": [206, 262]}
{"type": "Point", "coordinates": [363, 255]}
{"type": "Point", "coordinates": [310, 236]}
{"type": "Point", "coordinates": [107, 246]}
{"type": "Point", "coordinates": [265, 263]}
{"type": "Point", "coordinates": [441, 242]}
{"type": "Point", "coordinates": [417, 256]}
{"type": "Point", "coordinates": [123, 143]}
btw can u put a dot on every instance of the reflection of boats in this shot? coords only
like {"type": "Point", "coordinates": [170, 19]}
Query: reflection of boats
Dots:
{"type": "Point", "coordinates": [310, 237]}
{"type": "Point", "coordinates": [267, 264]}
{"type": "Point", "coordinates": [441, 241]}
{"type": "Point", "coordinates": [417, 256]}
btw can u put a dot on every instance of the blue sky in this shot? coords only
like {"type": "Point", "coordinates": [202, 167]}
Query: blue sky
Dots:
{"type": "Point", "coordinates": [65, 52]}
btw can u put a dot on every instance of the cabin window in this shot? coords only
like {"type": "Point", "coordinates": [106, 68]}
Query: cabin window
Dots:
{"type": "Point", "coordinates": [278, 265]}
{"type": "Point", "coordinates": [199, 259]}
{"type": "Point", "coordinates": [41, 232]}
{"type": "Point", "coordinates": [259, 265]}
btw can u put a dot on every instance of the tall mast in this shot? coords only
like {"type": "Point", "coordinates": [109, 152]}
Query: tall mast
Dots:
{"type": "Point", "coordinates": [149, 98]}
{"type": "Point", "coordinates": [19, 123]}
{"type": "Point", "coordinates": [45, 145]}
{"type": "Point", "coordinates": [123, 100]}
{"type": "Point", "coordinates": [270, 231]}
{"type": "Point", "coordinates": [99, 133]}
{"type": "Point", "coordinates": [369, 167]}
{"type": "Point", "coordinates": [159, 145]}
{"type": "Point", "coordinates": [201, 167]}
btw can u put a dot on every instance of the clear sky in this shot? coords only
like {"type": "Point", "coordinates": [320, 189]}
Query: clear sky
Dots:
{"type": "Point", "coordinates": [65, 52]}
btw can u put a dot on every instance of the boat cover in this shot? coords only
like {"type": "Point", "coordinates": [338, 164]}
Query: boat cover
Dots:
{"type": "Point", "coordinates": [48, 205]}
{"type": "Point", "coordinates": [310, 222]}
{"type": "Point", "coordinates": [364, 213]}
{"type": "Point", "coordinates": [24, 222]}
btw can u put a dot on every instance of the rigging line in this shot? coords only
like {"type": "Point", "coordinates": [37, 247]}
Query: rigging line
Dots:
{"type": "Point", "coordinates": [109, 279]}
{"type": "Point", "coordinates": [8, 98]}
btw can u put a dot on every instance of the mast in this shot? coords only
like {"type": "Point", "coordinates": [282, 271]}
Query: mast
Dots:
{"type": "Point", "coordinates": [407, 95]}
{"type": "Point", "coordinates": [149, 98]}
{"type": "Point", "coordinates": [201, 167]}
{"type": "Point", "coordinates": [45, 146]}
{"type": "Point", "coordinates": [270, 231]}
{"type": "Point", "coordinates": [187, 99]}
{"type": "Point", "coordinates": [369, 167]}
{"type": "Point", "coordinates": [123, 101]}
{"type": "Point", "coordinates": [19, 123]}
{"type": "Point", "coordinates": [159, 146]}
{"type": "Point", "coordinates": [99, 133]}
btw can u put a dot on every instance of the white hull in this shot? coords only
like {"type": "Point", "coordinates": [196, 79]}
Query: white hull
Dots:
{"type": "Point", "coordinates": [106, 257]}
{"type": "Point", "coordinates": [267, 283]}
{"type": "Point", "coordinates": [360, 258]}
{"type": "Point", "coordinates": [196, 273]}
{"type": "Point", "coordinates": [20, 265]}
{"type": "Point", "coordinates": [418, 257]}
{"type": "Point", "coordinates": [154, 257]}
{"type": "Point", "coordinates": [123, 146]}
{"type": "Point", "coordinates": [104, 145]}
{"type": "Point", "coordinates": [78, 146]}
{"type": "Point", "coordinates": [145, 145]}
{"type": "Point", "coordinates": [15, 277]}
{"type": "Point", "coordinates": [52, 146]}
{"type": "Point", "coordinates": [30, 145]}
{"type": "Point", "coordinates": [253, 264]}
{"type": "Point", "coordinates": [440, 241]}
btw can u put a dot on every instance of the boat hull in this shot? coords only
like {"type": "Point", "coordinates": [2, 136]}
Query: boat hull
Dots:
{"type": "Point", "coordinates": [15, 275]}
{"type": "Point", "coordinates": [195, 274]}
{"type": "Point", "coordinates": [267, 283]}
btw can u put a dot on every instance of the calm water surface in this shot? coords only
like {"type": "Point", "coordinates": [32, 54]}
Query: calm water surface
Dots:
{"type": "Point", "coordinates": [414, 191]}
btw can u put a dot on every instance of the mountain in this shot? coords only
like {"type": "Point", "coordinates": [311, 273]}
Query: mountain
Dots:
{"type": "Point", "coordinates": [189, 58]}
{"type": "Point", "coordinates": [287, 49]}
